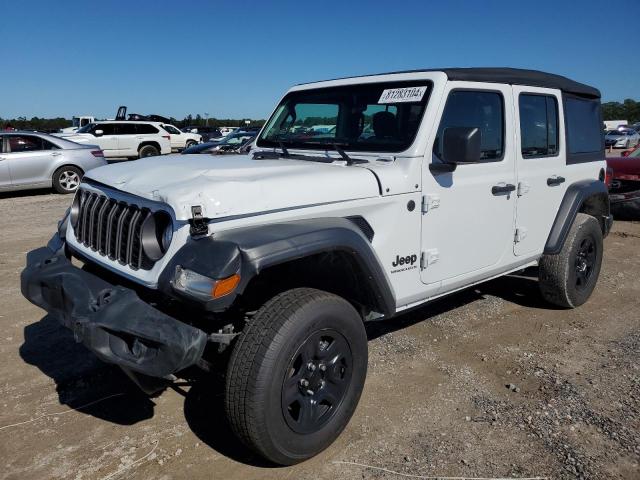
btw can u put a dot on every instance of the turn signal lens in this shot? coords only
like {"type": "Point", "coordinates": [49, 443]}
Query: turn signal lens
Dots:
{"type": "Point", "coordinates": [225, 286]}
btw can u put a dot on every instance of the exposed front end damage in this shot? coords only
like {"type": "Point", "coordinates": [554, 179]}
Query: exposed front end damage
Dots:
{"type": "Point", "coordinates": [112, 321]}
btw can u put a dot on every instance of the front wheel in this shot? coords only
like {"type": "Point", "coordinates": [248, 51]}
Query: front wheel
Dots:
{"type": "Point", "coordinates": [296, 374]}
{"type": "Point", "coordinates": [189, 144]}
{"type": "Point", "coordinates": [568, 278]}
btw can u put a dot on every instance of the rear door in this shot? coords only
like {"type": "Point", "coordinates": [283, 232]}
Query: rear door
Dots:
{"type": "Point", "coordinates": [128, 139]}
{"type": "Point", "coordinates": [5, 177]}
{"type": "Point", "coordinates": [467, 224]}
{"type": "Point", "coordinates": [29, 159]}
{"type": "Point", "coordinates": [541, 164]}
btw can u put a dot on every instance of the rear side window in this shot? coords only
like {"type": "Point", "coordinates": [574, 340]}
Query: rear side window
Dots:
{"type": "Point", "coordinates": [144, 128]}
{"type": "Point", "coordinates": [126, 129]}
{"type": "Point", "coordinates": [583, 124]}
{"type": "Point", "coordinates": [475, 108]}
{"type": "Point", "coordinates": [538, 125]}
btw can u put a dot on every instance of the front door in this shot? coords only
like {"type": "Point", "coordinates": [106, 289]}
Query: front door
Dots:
{"type": "Point", "coordinates": [540, 157]}
{"type": "Point", "coordinates": [468, 214]}
{"type": "Point", "coordinates": [108, 141]}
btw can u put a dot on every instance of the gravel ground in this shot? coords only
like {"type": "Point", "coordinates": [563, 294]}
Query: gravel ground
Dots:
{"type": "Point", "coordinates": [489, 382]}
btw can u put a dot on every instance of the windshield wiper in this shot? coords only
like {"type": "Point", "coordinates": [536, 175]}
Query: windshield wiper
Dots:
{"type": "Point", "coordinates": [343, 154]}
{"type": "Point", "coordinates": [285, 152]}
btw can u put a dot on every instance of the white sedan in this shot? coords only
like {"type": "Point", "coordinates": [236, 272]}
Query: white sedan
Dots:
{"type": "Point", "coordinates": [181, 140]}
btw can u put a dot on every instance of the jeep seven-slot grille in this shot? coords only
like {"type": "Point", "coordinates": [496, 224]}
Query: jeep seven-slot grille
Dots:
{"type": "Point", "coordinates": [112, 228]}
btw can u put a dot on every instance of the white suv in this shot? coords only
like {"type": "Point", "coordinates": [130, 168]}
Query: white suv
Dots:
{"type": "Point", "coordinates": [131, 139]}
{"type": "Point", "coordinates": [411, 186]}
{"type": "Point", "coordinates": [181, 140]}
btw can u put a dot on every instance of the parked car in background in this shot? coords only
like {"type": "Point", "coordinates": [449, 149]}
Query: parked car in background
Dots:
{"type": "Point", "coordinates": [124, 138]}
{"type": "Point", "coordinates": [78, 122]}
{"type": "Point", "coordinates": [623, 138]}
{"type": "Point", "coordinates": [37, 160]}
{"type": "Point", "coordinates": [624, 188]}
{"type": "Point", "coordinates": [181, 140]}
{"type": "Point", "coordinates": [233, 143]}
{"type": "Point", "coordinates": [227, 130]}
{"type": "Point", "coordinates": [207, 133]}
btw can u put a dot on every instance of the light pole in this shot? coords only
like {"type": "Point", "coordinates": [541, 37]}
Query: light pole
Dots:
{"type": "Point", "coordinates": [206, 119]}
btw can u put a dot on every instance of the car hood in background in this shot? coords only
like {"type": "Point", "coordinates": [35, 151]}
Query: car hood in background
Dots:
{"type": "Point", "coordinates": [236, 185]}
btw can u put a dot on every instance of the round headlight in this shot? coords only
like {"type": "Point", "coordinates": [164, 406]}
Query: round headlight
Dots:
{"type": "Point", "coordinates": [157, 232]}
{"type": "Point", "coordinates": [74, 213]}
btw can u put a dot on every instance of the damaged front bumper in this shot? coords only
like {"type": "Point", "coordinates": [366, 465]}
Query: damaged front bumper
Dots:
{"type": "Point", "coordinates": [111, 320]}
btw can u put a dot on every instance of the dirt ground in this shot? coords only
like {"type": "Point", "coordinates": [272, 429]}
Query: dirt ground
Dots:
{"type": "Point", "coordinates": [436, 401]}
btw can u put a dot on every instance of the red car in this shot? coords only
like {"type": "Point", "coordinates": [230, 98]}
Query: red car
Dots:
{"type": "Point", "coordinates": [624, 183]}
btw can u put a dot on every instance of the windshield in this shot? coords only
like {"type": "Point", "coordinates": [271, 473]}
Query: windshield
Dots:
{"type": "Point", "coordinates": [87, 128]}
{"type": "Point", "coordinates": [366, 117]}
{"type": "Point", "coordinates": [617, 133]}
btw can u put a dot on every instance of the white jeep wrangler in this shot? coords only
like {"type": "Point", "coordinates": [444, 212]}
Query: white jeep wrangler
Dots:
{"type": "Point", "coordinates": [419, 184]}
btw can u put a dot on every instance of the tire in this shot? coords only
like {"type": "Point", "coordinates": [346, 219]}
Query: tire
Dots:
{"type": "Point", "coordinates": [302, 335]}
{"type": "Point", "coordinates": [627, 144]}
{"type": "Point", "coordinates": [148, 151]}
{"type": "Point", "coordinates": [568, 278]}
{"type": "Point", "coordinates": [190, 143]}
{"type": "Point", "coordinates": [66, 179]}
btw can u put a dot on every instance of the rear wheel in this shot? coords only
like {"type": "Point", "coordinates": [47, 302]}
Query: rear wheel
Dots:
{"type": "Point", "coordinates": [190, 143]}
{"type": "Point", "coordinates": [296, 374]}
{"type": "Point", "coordinates": [66, 179]}
{"type": "Point", "coordinates": [148, 151]}
{"type": "Point", "coordinates": [568, 278]}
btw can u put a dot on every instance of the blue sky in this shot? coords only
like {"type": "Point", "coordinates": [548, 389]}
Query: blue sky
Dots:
{"type": "Point", "coordinates": [236, 58]}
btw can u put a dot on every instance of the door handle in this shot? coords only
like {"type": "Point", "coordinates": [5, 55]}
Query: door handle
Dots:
{"type": "Point", "coordinates": [500, 189]}
{"type": "Point", "coordinates": [55, 154]}
{"type": "Point", "coordinates": [555, 180]}
{"type": "Point", "coordinates": [2, 158]}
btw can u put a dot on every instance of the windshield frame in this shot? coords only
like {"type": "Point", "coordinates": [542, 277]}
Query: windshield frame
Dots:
{"type": "Point", "coordinates": [348, 144]}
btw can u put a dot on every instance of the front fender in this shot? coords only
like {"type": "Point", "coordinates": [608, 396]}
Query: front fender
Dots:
{"type": "Point", "coordinates": [250, 250]}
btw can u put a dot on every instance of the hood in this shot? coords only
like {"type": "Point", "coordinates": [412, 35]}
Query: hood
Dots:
{"type": "Point", "coordinates": [624, 165]}
{"type": "Point", "coordinates": [236, 185]}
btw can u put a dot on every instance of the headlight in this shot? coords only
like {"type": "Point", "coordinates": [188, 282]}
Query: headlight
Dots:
{"type": "Point", "coordinates": [74, 211]}
{"type": "Point", "coordinates": [202, 287]}
{"type": "Point", "coordinates": [157, 233]}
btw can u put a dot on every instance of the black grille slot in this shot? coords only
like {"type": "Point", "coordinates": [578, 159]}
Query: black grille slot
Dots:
{"type": "Point", "coordinates": [364, 226]}
{"type": "Point", "coordinates": [112, 228]}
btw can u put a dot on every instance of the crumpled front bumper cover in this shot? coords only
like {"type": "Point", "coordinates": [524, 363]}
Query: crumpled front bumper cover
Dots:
{"type": "Point", "coordinates": [111, 321]}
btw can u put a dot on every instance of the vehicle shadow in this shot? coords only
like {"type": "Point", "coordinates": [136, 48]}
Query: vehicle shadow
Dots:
{"type": "Point", "coordinates": [40, 192]}
{"type": "Point", "coordinates": [80, 377]}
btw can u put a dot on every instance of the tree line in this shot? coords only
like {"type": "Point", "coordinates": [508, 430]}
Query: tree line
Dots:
{"type": "Point", "coordinates": [628, 110]}
{"type": "Point", "coordinates": [55, 124]}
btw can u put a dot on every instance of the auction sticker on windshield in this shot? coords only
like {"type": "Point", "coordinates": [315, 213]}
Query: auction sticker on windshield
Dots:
{"type": "Point", "coordinates": [401, 95]}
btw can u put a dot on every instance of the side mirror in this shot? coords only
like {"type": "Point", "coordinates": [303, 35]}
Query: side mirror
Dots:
{"type": "Point", "coordinates": [98, 133]}
{"type": "Point", "coordinates": [461, 145]}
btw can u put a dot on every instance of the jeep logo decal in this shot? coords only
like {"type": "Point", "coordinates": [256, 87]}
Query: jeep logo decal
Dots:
{"type": "Point", "coordinates": [408, 260]}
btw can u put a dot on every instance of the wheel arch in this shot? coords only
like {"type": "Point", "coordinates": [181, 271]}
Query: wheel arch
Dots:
{"type": "Point", "coordinates": [330, 254]}
{"type": "Point", "coordinates": [586, 196]}
{"type": "Point", "coordinates": [153, 143]}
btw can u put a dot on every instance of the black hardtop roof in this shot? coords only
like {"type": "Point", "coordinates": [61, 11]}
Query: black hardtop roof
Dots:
{"type": "Point", "coordinates": [512, 76]}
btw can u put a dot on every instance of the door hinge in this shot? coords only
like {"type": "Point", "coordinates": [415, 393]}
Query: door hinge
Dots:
{"type": "Point", "coordinates": [429, 257]}
{"type": "Point", "coordinates": [523, 187]}
{"type": "Point", "coordinates": [198, 223]}
{"type": "Point", "coordinates": [429, 202]}
{"type": "Point", "coordinates": [520, 235]}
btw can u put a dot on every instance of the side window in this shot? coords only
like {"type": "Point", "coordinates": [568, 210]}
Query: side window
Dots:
{"type": "Point", "coordinates": [583, 121]}
{"type": "Point", "coordinates": [47, 145]}
{"type": "Point", "coordinates": [474, 108]}
{"type": "Point", "coordinates": [107, 128]}
{"type": "Point", "coordinates": [145, 128]}
{"type": "Point", "coordinates": [538, 125]}
{"type": "Point", "coordinates": [84, 122]}
{"type": "Point", "coordinates": [127, 129]}
{"type": "Point", "coordinates": [24, 143]}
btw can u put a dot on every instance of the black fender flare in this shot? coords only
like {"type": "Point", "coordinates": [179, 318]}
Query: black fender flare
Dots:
{"type": "Point", "coordinates": [576, 196]}
{"type": "Point", "coordinates": [250, 250]}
